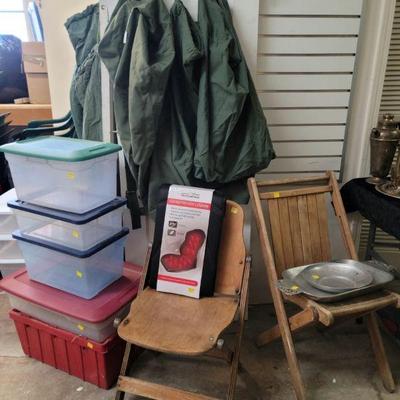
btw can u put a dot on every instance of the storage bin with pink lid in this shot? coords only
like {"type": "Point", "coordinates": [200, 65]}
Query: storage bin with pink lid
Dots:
{"type": "Point", "coordinates": [89, 318]}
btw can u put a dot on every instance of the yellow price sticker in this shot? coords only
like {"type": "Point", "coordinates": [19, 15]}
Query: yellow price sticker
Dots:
{"type": "Point", "coordinates": [89, 345]}
{"type": "Point", "coordinates": [79, 274]}
{"type": "Point", "coordinates": [191, 290]}
{"type": "Point", "coordinates": [276, 195]}
{"type": "Point", "coordinates": [76, 234]}
{"type": "Point", "coordinates": [294, 287]}
{"type": "Point", "coordinates": [80, 327]}
{"type": "Point", "coordinates": [315, 277]}
{"type": "Point", "coordinates": [71, 175]}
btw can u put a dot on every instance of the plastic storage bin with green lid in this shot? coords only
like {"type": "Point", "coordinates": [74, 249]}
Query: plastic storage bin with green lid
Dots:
{"type": "Point", "coordinates": [66, 174]}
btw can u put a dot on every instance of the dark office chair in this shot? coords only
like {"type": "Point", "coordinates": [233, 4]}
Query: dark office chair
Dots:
{"type": "Point", "coordinates": [48, 127]}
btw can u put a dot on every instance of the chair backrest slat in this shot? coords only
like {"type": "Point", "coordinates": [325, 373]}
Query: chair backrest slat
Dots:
{"type": "Point", "coordinates": [295, 231]}
{"type": "Point", "coordinates": [315, 235]}
{"type": "Point", "coordinates": [286, 237]}
{"type": "Point", "coordinates": [299, 227]}
{"type": "Point", "coordinates": [302, 209]}
{"type": "Point", "coordinates": [324, 227]}
{"type": "Point", "coordinates": [277, 239]}
{"type": "Point", "coordinates": [232, 252]}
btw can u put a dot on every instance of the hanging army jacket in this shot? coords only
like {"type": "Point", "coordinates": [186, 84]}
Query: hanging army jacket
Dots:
{"type": "Point", "coordinates": [208, 128]}
{"type": "Point", "coordinates": [215, 134]}
{"type": "Point", "coordinates": [232, 141]}
{"type": "Point", "coordinates": [172, 161]}
{"type": "Point", "coordinates": [85, 93]}
{"type": "Point", "coordinates": [138, 51]}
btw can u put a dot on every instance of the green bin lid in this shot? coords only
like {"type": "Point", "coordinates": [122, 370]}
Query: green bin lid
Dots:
{"type": "Point", "coordinates": [60, 148]}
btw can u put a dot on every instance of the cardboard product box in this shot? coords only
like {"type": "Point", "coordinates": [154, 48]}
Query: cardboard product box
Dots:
{"type": "Point", "coordinates": [35, 66]}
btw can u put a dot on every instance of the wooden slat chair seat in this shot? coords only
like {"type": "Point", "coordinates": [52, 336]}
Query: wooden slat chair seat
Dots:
{"type": "Point", "coordinates": [180, 325]}
{"type": "Point", "coordinates": [294, 231]}
{"type": "Point", "coordinates": [188, 327]}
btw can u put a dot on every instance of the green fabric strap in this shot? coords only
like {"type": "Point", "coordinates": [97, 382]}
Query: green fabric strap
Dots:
{"type": "Point", "coordinates": [131, 195]}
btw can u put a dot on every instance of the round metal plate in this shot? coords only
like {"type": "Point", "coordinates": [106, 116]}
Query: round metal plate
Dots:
{"type": "Point", "coordinates": [335, 277]}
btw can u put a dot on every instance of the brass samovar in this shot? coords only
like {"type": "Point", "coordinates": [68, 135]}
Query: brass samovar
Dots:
{"type": "Point", "coordinates": [384, 140]}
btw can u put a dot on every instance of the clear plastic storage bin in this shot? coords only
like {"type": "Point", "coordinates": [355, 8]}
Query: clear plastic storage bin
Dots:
{"type": "Point", "coordinates": [83, 273]}
{"type": "Point", "coordinates": [95, 331]}
{"type": "Point", "coordinates": [65, 174]}
{"type": "Point", "coordinates": [78, 231]}
{"type": "Point", "coordinates": [89, 318]}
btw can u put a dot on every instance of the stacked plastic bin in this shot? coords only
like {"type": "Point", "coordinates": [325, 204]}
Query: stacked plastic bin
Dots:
{"type": "Point", "coordinates": [71, 237]}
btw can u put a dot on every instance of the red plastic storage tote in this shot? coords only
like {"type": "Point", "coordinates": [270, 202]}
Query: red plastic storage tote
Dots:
{"type": "Point", "coordinates": [89, 318]}
{"type": "Point", "coordinates": [97, 363]}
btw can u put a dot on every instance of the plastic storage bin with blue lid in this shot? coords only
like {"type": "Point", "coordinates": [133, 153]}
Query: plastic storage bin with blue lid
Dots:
{"type": "Point", "coordinates": [78, 231]}
{"type": "Point", "coordinates": [82, 273]}
{"type": "Point", "coordinates": [67, 174]}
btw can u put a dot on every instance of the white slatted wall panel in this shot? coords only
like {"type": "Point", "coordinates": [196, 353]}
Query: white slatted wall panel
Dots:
{"type": "Point", "coordinates": [306, 55]}
{"type": "Point", "coordinates": [390, 102]}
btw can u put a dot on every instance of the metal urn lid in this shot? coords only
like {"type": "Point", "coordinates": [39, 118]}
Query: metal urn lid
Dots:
{"type": "Point", "coordinates": [386, 129]}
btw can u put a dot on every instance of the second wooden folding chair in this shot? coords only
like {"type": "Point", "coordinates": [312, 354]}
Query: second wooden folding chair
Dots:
{"type": "Point", "coordinates": [297, 220]}
{"type": "Point", "coordinates": [173, 324]}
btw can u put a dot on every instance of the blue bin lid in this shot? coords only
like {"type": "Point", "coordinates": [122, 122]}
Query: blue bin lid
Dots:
{"type": "Point", "coordinates": [68, 250]}
{"type": "Point", "coordinates": [60, 148]}
{"type": "Point", "coordinates": [65, 216]}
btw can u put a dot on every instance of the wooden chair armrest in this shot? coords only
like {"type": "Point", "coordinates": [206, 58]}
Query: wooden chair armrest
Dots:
{"type": "Point", "coordinates": [396, 295]}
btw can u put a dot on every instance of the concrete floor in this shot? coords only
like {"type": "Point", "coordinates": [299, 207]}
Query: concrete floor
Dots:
{"type": "Point", "coordinates": [336, 365]}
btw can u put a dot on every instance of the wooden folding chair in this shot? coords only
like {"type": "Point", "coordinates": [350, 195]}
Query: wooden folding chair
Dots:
{"type": "Point", "coordinates": [173, 324]}
{"type": "Point", "coordinates": [297, 220]}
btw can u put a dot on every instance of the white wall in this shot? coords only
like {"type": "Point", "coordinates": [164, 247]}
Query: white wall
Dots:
{"type": "Point", "coordinates": [59, 51]}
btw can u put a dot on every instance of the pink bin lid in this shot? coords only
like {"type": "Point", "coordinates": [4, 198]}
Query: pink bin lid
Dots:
{"type": "Point", "coordinates": [96, 310]}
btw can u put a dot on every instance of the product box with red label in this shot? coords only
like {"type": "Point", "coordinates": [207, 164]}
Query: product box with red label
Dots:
{"type": "Point", "coordinates": [189, 216]}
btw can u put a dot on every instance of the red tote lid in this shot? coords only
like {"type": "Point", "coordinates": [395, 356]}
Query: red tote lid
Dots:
{"type": "Point", "coordinates": [95, 310]}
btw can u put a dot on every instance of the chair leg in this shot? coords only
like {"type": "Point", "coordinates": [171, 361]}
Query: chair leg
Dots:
{"type": "Point", "coordinates": [233, 374]}
{"type": "Point", "coordinates": [239, 336]}
{"type": "Point", "coordinates": [288, 345]}
{"type": "Point", "coordinates": [380, 353]}
{"type": "Point", "coordinates": [124, 367]}
{"type": "Point", "coordinates": [291, 356]}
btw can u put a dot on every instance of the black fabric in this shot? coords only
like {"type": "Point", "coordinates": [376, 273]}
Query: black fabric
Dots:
{"type": "Point", "coordinates": [6, 136]}
{"type": "Point", "coordinates": [12, 80]}
{"type": "Point", "coordinates": [133, 201]}
{"type": "Point", "coordinates": [217, 214]}
{"type": "Point", "coordinates": [383, 211]}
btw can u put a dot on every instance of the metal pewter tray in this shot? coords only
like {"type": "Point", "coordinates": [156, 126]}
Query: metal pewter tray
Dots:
{"type": "Point", "coordinates": [389, 189]}
{"type": "Point", "coordinates": [337, 277]}
{"type": "Point", "coordinates": [293, 283]}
